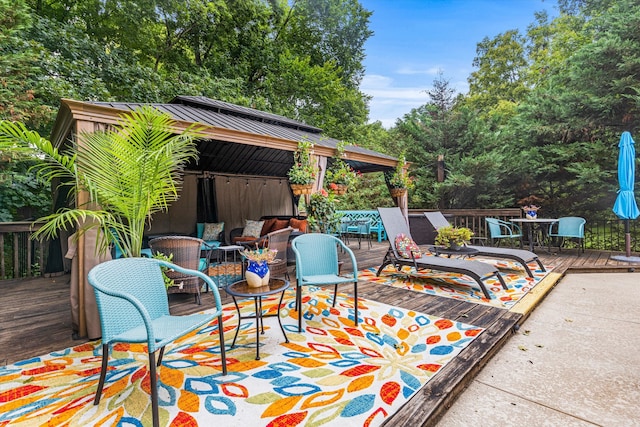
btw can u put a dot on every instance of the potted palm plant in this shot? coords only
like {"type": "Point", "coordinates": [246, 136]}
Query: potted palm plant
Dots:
{"type": "Point", "coordinates": [128, 173]}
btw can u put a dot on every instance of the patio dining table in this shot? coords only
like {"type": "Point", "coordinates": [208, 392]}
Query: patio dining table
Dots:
{"type": "Point", "coordinates": [534, 236]}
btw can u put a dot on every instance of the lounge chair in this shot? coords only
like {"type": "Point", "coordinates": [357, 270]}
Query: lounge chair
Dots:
{"type": "Point", "coordinates": [395, 224]}
{"type": "Point", "coordinates": [522, 256]}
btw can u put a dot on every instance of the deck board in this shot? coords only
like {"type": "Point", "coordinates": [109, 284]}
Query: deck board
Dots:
{"type": "Point", "coordinates": [36, 320]}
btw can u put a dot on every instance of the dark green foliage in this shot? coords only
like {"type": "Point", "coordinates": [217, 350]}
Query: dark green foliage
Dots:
{"type": "Point", "coordinates": [543, 115]}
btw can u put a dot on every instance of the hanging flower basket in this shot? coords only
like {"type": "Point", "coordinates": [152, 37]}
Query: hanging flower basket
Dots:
{"type": "Point", "coordinates": [299, 189]}
{"type": "Point", "coordinates": [398, 192]}
{"type": "Point", "coordinates": [338, 189]}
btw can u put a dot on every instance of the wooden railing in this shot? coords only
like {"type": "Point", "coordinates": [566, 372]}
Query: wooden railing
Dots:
{"type": "Point", "coordinates": [20, 255]}
{"type": "Point", "coordinates": [605, 234]}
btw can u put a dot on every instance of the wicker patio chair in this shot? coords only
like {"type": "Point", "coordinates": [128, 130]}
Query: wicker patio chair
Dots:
{"type": "Point", "coordinates": [566, 228]}
{"type": "Point", "coordinates": [134, 308]}
{"type": "Point", "coordinates": [186, 253]}
{"type": "Point", "coordinates": [317, 264]}
{"type": "Point", "coordinates": [279, 240]}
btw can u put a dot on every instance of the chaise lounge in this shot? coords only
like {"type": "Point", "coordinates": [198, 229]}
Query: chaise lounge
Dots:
{"type": "Point", "coordinates": [521, 256]}
{"type": "Point", "coordinates": [395, 224]}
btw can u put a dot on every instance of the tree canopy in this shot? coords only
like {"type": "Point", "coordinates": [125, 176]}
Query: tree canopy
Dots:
{"type": "Point", "coordinates": [543, 114]}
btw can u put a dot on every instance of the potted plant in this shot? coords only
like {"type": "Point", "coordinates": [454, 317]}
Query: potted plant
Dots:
{"type": "Point", "coordinates": [321, 211]}
{"type": "Point", "coordinates": [453, 237]}
{"type": "Point", "coordinates": [257, 272]}
{"type": "Point", "coordinates": [302, 174]}
{"type": "Point", "coordinates": [400, 181]}
{"type": "Point", "coordinates": [340, 175]}
{"type": "Point", "coordinates": [530, 206]}
{"type": "Point", "coordinates": [130, 172]}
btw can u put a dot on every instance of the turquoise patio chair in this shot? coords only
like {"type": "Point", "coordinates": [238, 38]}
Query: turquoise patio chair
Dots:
{"type": "Point", "coordinates": [134, 308]}
{"type": "Point", "coordinates": [361, 228]}
{"type": "Point", "coordinates": [500, 230]}
{"type": "Point", "coordinates": [317, 264]}
{"type": "Point", "coordinates": [568, 227]}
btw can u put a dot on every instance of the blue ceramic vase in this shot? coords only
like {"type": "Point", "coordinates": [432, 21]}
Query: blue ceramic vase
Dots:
{"type": "Point", "coordinates": [257, 274]}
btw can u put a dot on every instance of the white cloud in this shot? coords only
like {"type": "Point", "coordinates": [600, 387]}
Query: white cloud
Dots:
{"type": "Point", "coordinates": [433, 71]}
{"type": "Point", "coordinates": [390, 102]}
{"type": "Point", "coordinates": [384, 87]}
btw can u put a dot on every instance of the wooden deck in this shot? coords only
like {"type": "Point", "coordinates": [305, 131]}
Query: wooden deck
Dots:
{"type": "Point", "coordinates": [35, 320]}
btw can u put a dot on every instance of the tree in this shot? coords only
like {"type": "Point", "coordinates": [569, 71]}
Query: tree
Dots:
{"type": "Point", "coordinates": [502, 66]}
{"type": "Point", "coordinates": [19, 68]}
{"type": "Point", "coordinates": [129, 174]}
{"type": "Point", "coordinates": [330, 31]}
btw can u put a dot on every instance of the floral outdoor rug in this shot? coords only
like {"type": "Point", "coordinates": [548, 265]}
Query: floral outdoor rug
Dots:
{"type": "Point", "coordinates": [459, 286]}
{"type": "Point", "coordinates": [330, 374]}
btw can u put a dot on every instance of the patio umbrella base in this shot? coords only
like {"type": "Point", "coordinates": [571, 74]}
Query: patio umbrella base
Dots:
{"type": "Point", "coordinates": [626, 258]}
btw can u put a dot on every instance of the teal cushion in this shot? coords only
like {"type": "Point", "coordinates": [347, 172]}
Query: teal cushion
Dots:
{"type": "Point", "coordinates": [199, 230]}
{"type": "Point", "coordinates": [210, 244]}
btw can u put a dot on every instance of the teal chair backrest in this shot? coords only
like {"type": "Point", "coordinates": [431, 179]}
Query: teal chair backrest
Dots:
{"type": "Point", "coordinates": [494, 227]}
{"type": "Point", "coordinates": [364, 226]}
{"type": "Point", "coordinates": [568, 226]}
{"type": "Point", "coordinates": [140, 280]}
{"type": "Point", "coordinates": [316, 254]}
{"type": "Point", "coordinates": [499, 228]}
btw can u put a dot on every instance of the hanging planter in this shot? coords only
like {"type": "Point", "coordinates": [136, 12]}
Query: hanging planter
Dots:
{"type": "Point", "coordinates": [300, 189]}
{"type": "Point", "coordinates": [399, 181]}
{"type": "Point", "coordinates": [338, 189]}
{"type": "Point", "coordinates": [302, 174]}
{"type": "Point", "coordinates": [398, 192]}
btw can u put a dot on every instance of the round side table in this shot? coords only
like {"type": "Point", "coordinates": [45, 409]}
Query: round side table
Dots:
{"type": "Point", "coordinates": [463, 252]}
{"type": "Point", "coordinates": [241, 289]}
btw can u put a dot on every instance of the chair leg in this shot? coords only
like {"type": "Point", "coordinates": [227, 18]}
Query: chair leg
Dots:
{"type": "Point", "coordinates": [299, 306]}
{"type": "Point", "coordinates": [160, 354]}
{"type": "Point", "coordinates": [223, 351]}
{"type": "Point", "coordinates": [355, 302]}
{"type": "Point", "coordinates": [335, 294]}
{"type": "Point", "coordinates": [103, 373]}
{"type": "Point", "coordinates": [154, 389]}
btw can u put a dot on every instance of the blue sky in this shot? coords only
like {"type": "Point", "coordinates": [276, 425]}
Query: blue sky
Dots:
{"type": "Point", "coordinates": [413, 39]}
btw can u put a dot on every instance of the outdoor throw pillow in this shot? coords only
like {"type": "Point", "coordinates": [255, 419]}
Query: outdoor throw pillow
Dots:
{"type": "Point", "coordinates": [252, 228]}
{"type": "Point", "coordinates": [280, 224]}
{"type": "Point", "coordinates": [405, 245]}
{"type": "Point", "coordinates": [298, 224]}
{"type": "Point", "coordinates": [212, 230]}
{"type": "Point", "coordinates": [267, 227]}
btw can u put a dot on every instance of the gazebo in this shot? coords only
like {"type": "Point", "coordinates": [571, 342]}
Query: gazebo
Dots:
{"type": "Point", "coordinates": [243, 162]}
